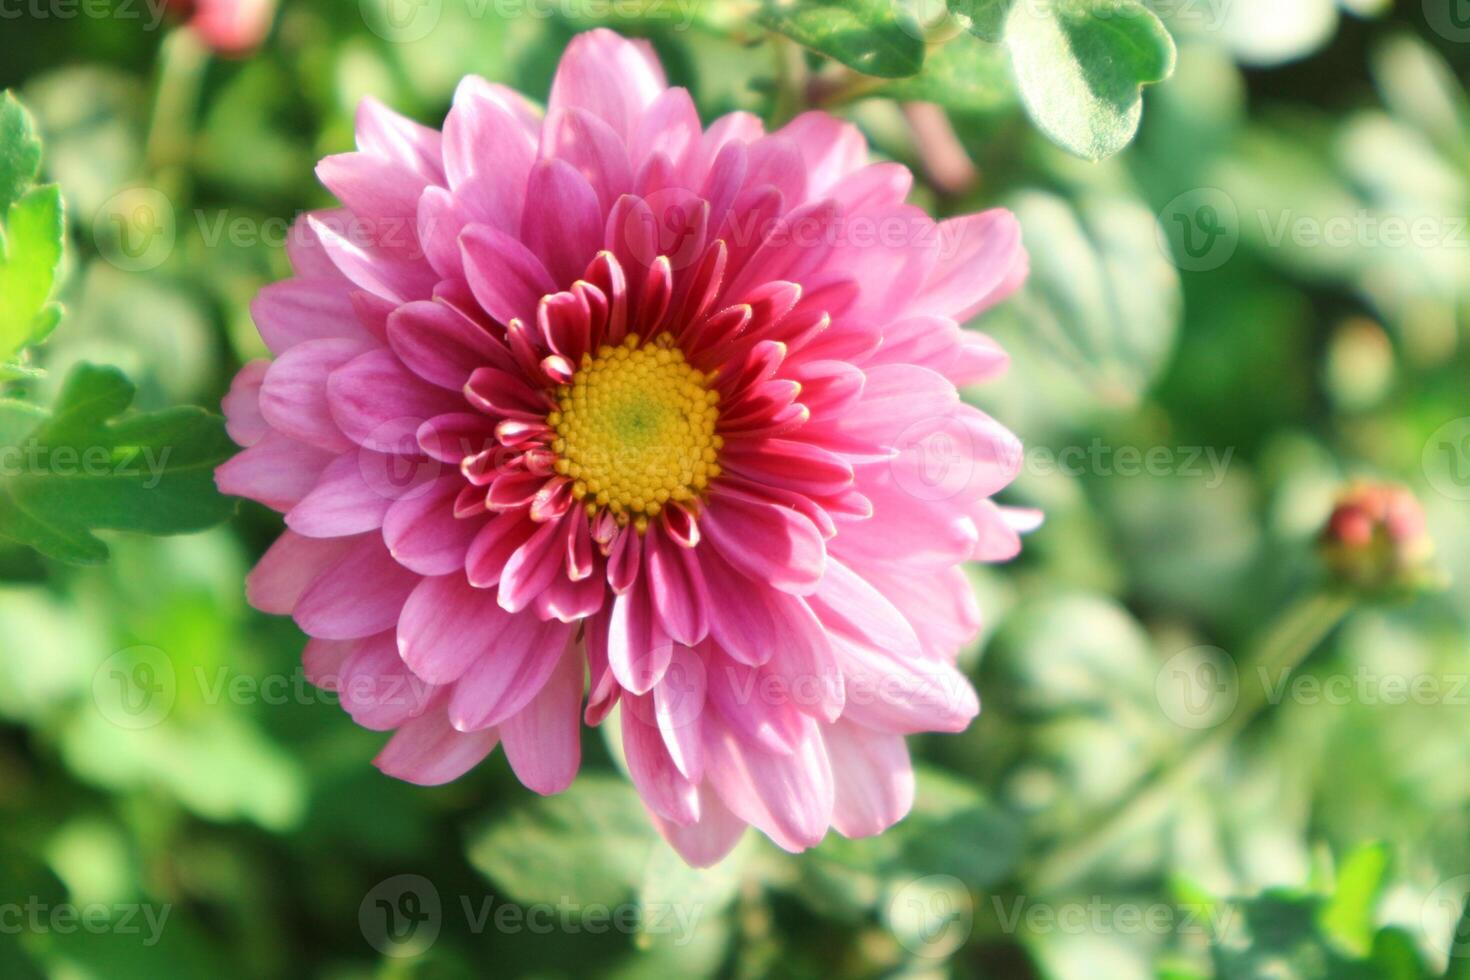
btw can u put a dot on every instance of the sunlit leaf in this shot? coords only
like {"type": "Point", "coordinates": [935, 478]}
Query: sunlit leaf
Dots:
{"type": "Point", "coordinates": [20, 150]}
{"type": "Point", "coordinates": [875, 37]}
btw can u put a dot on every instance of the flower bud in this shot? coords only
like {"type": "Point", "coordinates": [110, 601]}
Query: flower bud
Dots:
{"type": "Point", "coordinates": [1377, 539]}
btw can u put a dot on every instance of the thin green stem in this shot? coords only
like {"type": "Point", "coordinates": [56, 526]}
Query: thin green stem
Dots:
{"type": "Point", "coordinates": [181, 63]}
{"type": "Point", "coordinates": [1282, 649]}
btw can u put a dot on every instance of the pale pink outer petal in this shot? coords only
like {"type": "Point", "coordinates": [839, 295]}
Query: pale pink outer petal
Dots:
{"type": "Point", "coordinates": [874, 783]}
{"type": "Point", "coordinates": [705, 842]}
{"type": "Point", "coordinates": [979, 256]}
{"type": "Point", "coordinates": [789, 797]}
{"type": "Point", "coordinates": [543, 740]}
{"type": "Point", "coordinates": [241, 405]}
{"type": "Point", "coordinates": [428, 751]}
{"type": "Point", "coordinates": [609, 76]}
{"type": "Point", "coordinates": [358, 595]}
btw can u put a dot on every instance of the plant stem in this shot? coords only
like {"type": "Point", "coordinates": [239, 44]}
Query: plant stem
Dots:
{"type": "Point", "coordinates": [181, 63]}
{"type": "Point", "coordinates": [1285, 645]}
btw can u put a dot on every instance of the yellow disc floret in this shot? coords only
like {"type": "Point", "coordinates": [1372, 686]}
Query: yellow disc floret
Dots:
{"type": "Point", "coordinates": [636, 429]}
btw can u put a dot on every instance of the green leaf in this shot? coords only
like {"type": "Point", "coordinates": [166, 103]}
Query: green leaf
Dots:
{"type": "Point", "coordinates": [1102, 303]}
{"type": "Point", "coordinates": [86, 466]}
{"type": "Point", "coordinates": [590, 844]}
{"type": "Point", "coordinates": [20, 151]}
{"type": "Point", "coordinates": [965, 75]}
{"type": "Point", "coordinates": [1348, 915]}
{"type": "Point", "coordinates": [1080, 65]}
{"type": "Point", "coordinates": [875, 37]}
{"type": "Point", "coordinates": [985, 19]}
{"type": "Point", "coordinates": [30, 256]}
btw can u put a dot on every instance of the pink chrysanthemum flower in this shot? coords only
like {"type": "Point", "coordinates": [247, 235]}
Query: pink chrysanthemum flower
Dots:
{"type": "Point", "coordinates": [605, 405]}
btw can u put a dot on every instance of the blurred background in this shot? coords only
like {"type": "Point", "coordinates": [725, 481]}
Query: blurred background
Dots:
{"type": "Point", "coordinates": [1197, 758]}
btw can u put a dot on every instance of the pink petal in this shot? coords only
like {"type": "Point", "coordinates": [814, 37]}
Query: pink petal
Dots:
{"type": "Point", "coordinates": [358, 595]}
{"type": "Point", "coordinates": [789, 797]}
{"type": "Point", "coordinates": [379, 257]}
{"type": "Point", "coordinates": [767, 543]}
{"type": "Point", "coordinates": [428, 752]}
{"type": "Point", "coordinates": [293, 398]}
{"type": "Point", "coordinates": [287, 568]}
{"type": "Point", "coordinates": [440, 345]}
{"type": "Point", "coordinates": [493, 546]}
{"type": "Point", "coordinates": [277, 471]}
{"type": "Point", "coordinates": [422, 532]}
{"type": "Point", "coordinates": [543, 740]}
{"type": "Point", "coordinates": [376, 688]}
{"type": "Point", "coordinates": [385, 133]}
{"type": "Point", "coordinates": [663, 788]}
{"type": "Point", "coordinates": [670, 127]}
{"type": "Point", "coordinates": [483, 137]}
{"type": "Point", "coordinates": [507, 278]}
{"type": "Point", "coordinates": [380, 404]}
{"type": "Point", "coordinates": [593, 148]}
{"type": "Point", "coordinates": [531, 568]}
{"type": "Point", "coordinates": [508, 673]}
{"type": "Point", "coordinates": [678, 589]}
{"type": "Point", "coordinates": [850, 606]}
{"type": "Point", "coordinates": [978, 255]}
{"type": "Point", "coordinates": [637, 648]}
{"type": "Point", "coordinates": [874, 782]}
{"type": "Point", "coordinates": [903, 697]}
{"type": "Point", "coordinates": [831, 149]}
{"type": "Point", "coordinates": [761, 713]}
{"type": "Point", "coordinates": [613, 78]}
{"type": "Point", "coordinates": [241, 405]}
{"type": "Point", "coordinates": [753, 623]}
{"type": "Point", "coordinates": [706, 841]}
{"type": "Point", "coordinates": [372, 188]}
{"type": "Point", "coordinates": [565, 236]}
{"type": "Point", "coordinates": [297, 310]}
{"type": "Point", "coordinates": [343, 501]}
{"type": "Point", "coordinates": [447, 626]}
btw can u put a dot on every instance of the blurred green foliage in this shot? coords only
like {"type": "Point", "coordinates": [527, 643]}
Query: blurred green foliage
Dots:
{"type": "Point", "coordinates": [1259, 299]}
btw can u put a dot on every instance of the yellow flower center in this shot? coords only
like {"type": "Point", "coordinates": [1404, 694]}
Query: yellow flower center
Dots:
{"type": "Point", "coordinates": [636, 429]}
